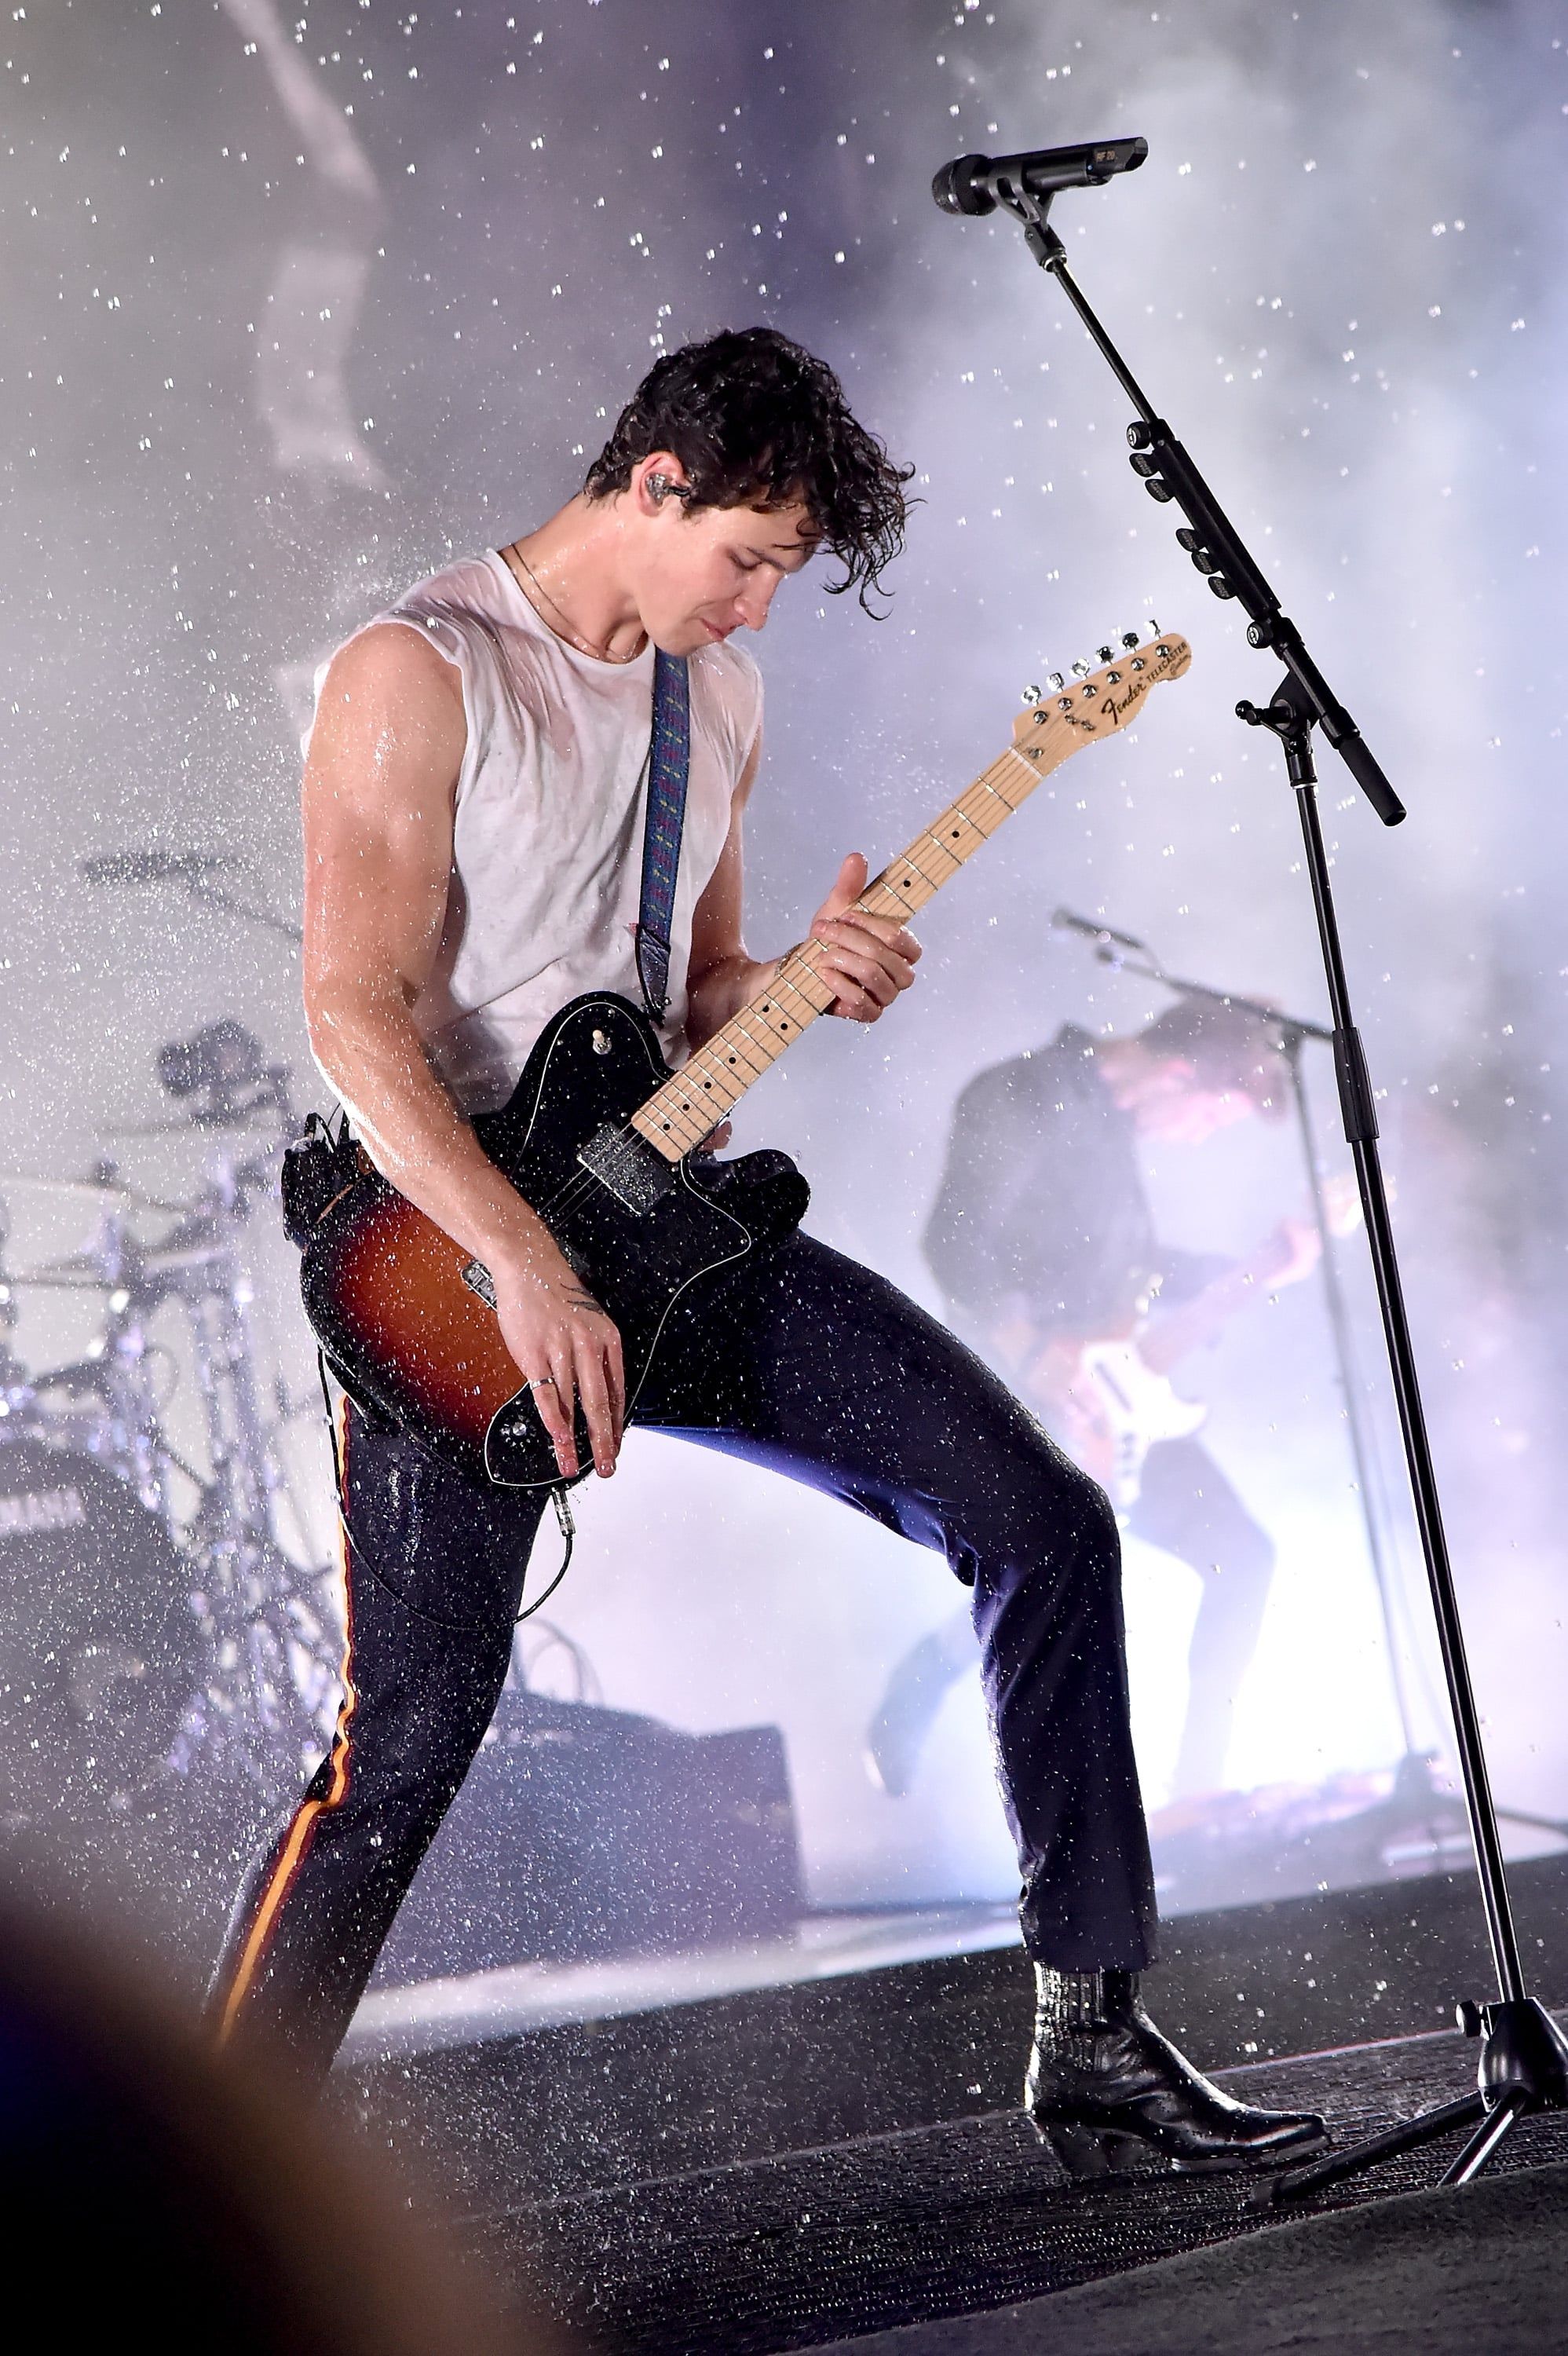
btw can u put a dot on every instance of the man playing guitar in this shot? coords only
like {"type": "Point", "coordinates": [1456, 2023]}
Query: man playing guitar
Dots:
{"type": "Point", "coordinates": [1043, 1241]}
{"type": "Point", "coordinates": [474, 799]}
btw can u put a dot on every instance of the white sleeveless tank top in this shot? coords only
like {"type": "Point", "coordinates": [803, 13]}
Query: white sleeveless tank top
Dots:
{"type": "Point", "coordinates": [550, 809]}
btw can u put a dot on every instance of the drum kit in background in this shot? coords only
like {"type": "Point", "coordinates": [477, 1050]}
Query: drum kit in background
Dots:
{"type": "Point", "coordinates": [162, 1626]}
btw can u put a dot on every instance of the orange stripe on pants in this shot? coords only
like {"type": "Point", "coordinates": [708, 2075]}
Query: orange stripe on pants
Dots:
{"type": "Point", "coordinates": [302, 1830]}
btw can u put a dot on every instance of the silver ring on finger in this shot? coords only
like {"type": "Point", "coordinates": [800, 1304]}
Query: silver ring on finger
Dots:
{"type": "Point", "coordinates": [542, 1383]}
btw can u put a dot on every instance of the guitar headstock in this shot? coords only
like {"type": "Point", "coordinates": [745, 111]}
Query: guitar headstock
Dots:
{"type": "Point", "coordinates": [1072, 712]}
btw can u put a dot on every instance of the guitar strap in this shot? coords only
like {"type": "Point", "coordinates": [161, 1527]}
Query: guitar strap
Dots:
{"type": "Point", "coordinates": [670, 760]}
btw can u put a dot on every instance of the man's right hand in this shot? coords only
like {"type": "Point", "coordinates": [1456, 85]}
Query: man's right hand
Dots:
{"type": "Point", "coordinates": [567, 1349]}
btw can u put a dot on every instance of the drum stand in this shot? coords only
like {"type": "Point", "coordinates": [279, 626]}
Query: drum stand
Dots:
{"type": "Point", "coordinates": [1523, 2063]}
{"type": "Point", "coordinates": [260, 1715]}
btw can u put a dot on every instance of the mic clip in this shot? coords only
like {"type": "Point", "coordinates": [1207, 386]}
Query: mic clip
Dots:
{"type": "Point", "coordinates": [1034, 212]}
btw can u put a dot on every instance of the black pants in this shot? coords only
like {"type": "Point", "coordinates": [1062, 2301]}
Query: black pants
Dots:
{"type": "Point", "coordinates": [1187, 1505]}
{"type": "Point", "coordinates": [816, 1367]}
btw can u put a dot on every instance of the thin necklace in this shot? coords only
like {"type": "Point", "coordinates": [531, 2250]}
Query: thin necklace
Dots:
{"type": "Point", "coordinates": [584, 646]}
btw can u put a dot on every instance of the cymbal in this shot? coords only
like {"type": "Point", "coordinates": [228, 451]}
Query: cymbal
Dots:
{"type": "Point", "coordinates": [151, 1128]}
{"type": "Point", "coordinates": [235, 1116]}
{"type": "Point", "coordinates": [84, 1190]}
{"type": "Point", "coordinates": [24, 1283]}
{"type": "Point", "coordinates": [85, 1270]}
{"type": "Point", "coordinates": [76, 1190]}
{"type": "Point", "coordinates": [157, 1261]}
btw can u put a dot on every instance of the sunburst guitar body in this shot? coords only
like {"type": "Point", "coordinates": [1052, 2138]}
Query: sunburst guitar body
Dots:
{"type": "Point", "coordinates": [406, 1316]}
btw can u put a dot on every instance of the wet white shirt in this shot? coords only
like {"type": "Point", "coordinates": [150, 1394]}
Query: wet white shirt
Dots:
{"type": "Point", "coordinates": [549, 812]}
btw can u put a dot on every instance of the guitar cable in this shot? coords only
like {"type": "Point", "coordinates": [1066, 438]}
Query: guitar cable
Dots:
{"type": "Point", "coordinates": [561, 1498]}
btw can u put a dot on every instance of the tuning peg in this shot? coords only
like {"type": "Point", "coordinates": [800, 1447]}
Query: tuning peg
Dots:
{"type": "Point", "coordinates": [1129, 639]}
{"type": "Point", "coordinates": [1056, 682]}
{"type": "Point", "coordinates": [1106, 654]}
{"type": "Point", "coordinates": [1081, 669]}
{"type": "Point", "coordinates": [1032, 694]}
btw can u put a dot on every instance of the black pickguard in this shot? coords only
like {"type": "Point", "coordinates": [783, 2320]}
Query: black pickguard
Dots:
{"type": "Point", "coordinates": [641, 1230]}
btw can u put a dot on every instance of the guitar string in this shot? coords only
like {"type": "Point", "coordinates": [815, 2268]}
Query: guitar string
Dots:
{"type": "Point", "coordinates": [583, 1180]}
{"type": "Point", "coordinates": [576, 1188]}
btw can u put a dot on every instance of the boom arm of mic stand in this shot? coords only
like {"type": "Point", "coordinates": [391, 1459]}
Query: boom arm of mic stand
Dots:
{"type": "Point", "coordinates": [1293, 1026]}
{"type": "Point", "coordinates": [1113, 948]}
{"type": "Point", "coordinates": [199, 889]}
{"type": "Point", "coordinates": [1214, 544]}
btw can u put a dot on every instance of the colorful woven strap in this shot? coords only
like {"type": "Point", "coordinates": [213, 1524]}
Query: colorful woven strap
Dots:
{"type": "Point", "coordinates": [669, 759]}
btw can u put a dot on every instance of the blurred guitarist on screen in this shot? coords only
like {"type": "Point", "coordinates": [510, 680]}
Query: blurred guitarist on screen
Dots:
{"type": "Point", "coordinates": [1044, 1243]}
{"type": "Point", "coordinates": [497, 786]}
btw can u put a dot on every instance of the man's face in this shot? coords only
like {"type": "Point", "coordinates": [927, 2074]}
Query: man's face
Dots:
{"type": "Point", "coordinates": [1176, 1110]}
{"type": "Point", "coordinates": [703, 575]}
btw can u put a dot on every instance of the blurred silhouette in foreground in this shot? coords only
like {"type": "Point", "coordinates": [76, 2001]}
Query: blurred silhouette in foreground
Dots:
{"type": "Point", "coordinates": [146, 2190]}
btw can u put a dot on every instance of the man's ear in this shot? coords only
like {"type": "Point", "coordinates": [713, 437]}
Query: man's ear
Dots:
{"type": "Point", "coordinates": [658, 479]}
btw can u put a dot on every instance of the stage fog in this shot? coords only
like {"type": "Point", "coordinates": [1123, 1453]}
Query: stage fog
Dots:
{"type": "Point", "coordinates": [303, 304]}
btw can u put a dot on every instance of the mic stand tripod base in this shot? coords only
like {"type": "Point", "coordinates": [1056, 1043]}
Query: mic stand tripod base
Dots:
{"type": "Point", "coordinates": [1523, 2070]}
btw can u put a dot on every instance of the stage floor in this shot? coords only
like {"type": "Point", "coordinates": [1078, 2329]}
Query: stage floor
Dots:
{"type": "Point", "coordinates": [967, 2216]}
{"type": "Point", "coordinates": [755, 2166]}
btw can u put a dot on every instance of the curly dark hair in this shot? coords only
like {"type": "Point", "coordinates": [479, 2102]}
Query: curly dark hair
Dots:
{"type": "Point", "coordinates": [1228, 1047]}
{"type": "Point", "coordinates": [757, 422]}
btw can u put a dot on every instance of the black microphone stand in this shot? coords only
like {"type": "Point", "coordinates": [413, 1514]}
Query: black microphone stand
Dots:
{"type": "Point", "coordinates": [1523, 2062]}
{"type": "Point", "coordinates": [191, 875]}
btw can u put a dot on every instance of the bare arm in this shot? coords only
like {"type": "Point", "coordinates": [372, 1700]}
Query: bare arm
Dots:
{"type": "Point", "coordinates": [379, 784]}
{"type": "Point", "coordinates": [378, 794]}
{"type": "Point", "coordinates": [870, 958]}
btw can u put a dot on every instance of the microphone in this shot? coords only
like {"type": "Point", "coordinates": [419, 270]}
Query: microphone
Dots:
{"type": "Point", "coordinates": [149, 866]}
{"type": "Point", "coordinates": [979, 184]}
{"type": "Point", "coordinates": [1065, 921]}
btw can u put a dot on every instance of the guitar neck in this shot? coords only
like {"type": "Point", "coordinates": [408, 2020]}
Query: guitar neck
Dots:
{"type": "Point", "coordinates": [679, 1115]}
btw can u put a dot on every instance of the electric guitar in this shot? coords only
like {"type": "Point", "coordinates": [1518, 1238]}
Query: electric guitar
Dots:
{"type": "Point", "coordinates": [1109, 1399]}
{"type": "Point", "coordinates": [601, 1139]}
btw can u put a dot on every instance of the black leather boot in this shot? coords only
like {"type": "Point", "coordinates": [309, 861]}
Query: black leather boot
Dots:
{"type": "Point", "coordinates": [1109, 2094]}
